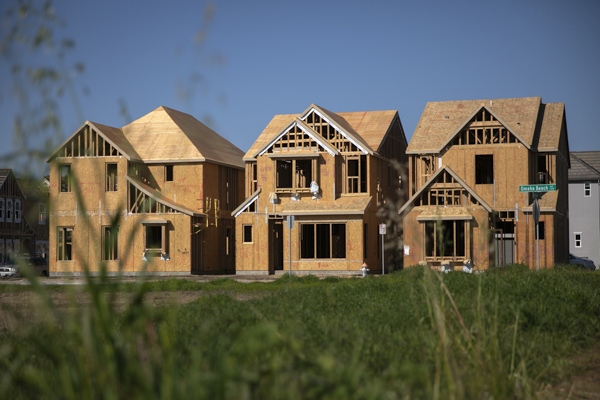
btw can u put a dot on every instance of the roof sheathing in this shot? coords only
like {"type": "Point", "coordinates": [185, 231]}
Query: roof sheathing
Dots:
{"type": "Point", "coordinates": [166, 135]}
{"type": "Point", "coordinates": [434, 129]}
{"type": "Point", "coordinates": [551, 127]}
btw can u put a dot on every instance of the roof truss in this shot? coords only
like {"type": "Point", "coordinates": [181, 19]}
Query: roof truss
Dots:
{"type": "Point", "coordinates": [88, 141]}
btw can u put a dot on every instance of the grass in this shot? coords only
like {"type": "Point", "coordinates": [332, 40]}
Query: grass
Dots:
{"type": "Point", "coordinates": [411, 334]}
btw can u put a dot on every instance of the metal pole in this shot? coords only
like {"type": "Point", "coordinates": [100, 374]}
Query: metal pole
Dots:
{"type": "Point", "coordinates": [290, 244]}
{"type": "Point", "coordinates": [537, 235]}
{"type": "Point", "coordinates": [382, 257]}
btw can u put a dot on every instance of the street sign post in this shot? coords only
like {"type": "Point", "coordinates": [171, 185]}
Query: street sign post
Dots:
{"type": "Point", "coordinates": [536, 219]}
{"type": "Point", "coordinates": [382, 233]}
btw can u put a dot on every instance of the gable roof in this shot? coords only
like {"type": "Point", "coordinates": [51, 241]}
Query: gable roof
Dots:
{"type": "Point", "coordinates": [440, 121]}
{"type": "Point", "coordinates": [585, 166]}
{"type": "Point", "coordinates": [432, 179]}
{"type": "Point", "coordinates": [30, 190]}
{"type": "Point", "coordinates": [166, 135]}
{"type": "Point", "coordinates": [368, 129]}
{"type": "Point", "coordinates": [5, 173]}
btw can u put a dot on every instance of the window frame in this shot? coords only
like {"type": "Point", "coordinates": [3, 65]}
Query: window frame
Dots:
{"type": "Point", "coordinates": [295, 188]}
{"type": "Point", "coordinates": [110, 245]}
{"type": "Point", "coordinates": [18, 211]}
{"type": "Point", "coordinates": [163, 250]}
{"type": "Point", "coordinates": [2, 210]}
{"type": "Point", "coordinates": [169, 173]}
{"type": "Point", "coordinates": [580, 240]}
{"type": "Point", "coordinates": [481, 177]}
{"type": "Point", "coordinates": [42, 214]}
{"type": "Point", "coordinates": [61, 188]}
{"type": "Point", "coordinates": [245, 230]}
{"type": "Point", "coordinates": [362, 168]}
{"type": "Point", "coordinates": [61, 243]}
{"type": "Point", "coordinates": [9, 210]}
{"type": "Point", "coordinates": [111, 180]}
{"type": "Point", "coordinates": [330, 247]}
{"type": "Point", "coordinates": [434, 253]}
{"type": "Point", "coordinates": [587, 190]}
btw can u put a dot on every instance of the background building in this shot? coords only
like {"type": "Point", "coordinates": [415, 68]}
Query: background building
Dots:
{"type": "Point", "coordinates": [584, 205]}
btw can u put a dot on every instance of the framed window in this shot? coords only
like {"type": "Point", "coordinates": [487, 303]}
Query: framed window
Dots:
{"type": "Point", "coordinates": [294, 175]}
{"type": "Point", "coordinates": [156, 239]}
{"type": "Point", "coordinates": [168, 173]}
{"type": "Point", "coordinates": [42, 215]}
{"type": "Point", "coordinates": [247, 234]}
{"type": "Point", "coordinates": [111, 177]}
{"type": "Point", "coordinates": [356, 174]}
{"type": "Point", "coordinates": [577, 239]}
{"type": "Point", "coordinates": [110, 243]}
{"type": "Point", "coordinates": [1, 210]}
{"type": "Point", "coordinates": [9, 210]}
{"type": "Point", "coordinates": [484, 169]}
{"type": "Point", "coordinates": [65, 244]}
{"type": "Point", "coordinates": [542, 230]}
{"type": "Point", "coordinates": [322, 241]}
{"type": "Point", "coordinates": [1, 251]}
{"type": "Point", "coordinates": [64, 172]}
{"type": "Point", "coordinates": [445, 239]}
{"type": "Point", "coordinates": [17, 210]}
{"type": "Point", "coordinates": [587, 189]}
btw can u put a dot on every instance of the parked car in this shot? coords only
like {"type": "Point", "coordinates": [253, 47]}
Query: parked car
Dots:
{"type": "Point", "coordinates": [38, 264]}
{"type": "Point", "coordinates": [9, 271]}
{"type": "Point", "coordinates": [584, 262]}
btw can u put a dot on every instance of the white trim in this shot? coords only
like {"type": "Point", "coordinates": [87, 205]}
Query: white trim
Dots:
{"type": "Point", "coordinates": [313, 109]}
{"type": "Point", "coordinates": [18, 209]}
{"type": "Point", "coordinates": [580, 239]}
{"type": "Point", "coordinates": [587, 188]}
{"type": "Point", "coordinates": [315, 138]}
{"type": "Point", "coordinates": [247, 205]}
{"type": "Point", "coordinates": [9, 208]}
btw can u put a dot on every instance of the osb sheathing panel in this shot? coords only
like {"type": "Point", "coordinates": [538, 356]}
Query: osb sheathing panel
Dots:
{"type": "Point", "coordinates": [187, 184]}
{"type": "Point", "coordinates": [527, 244]}
{"type": "Point", "coordinates": [479, 230]}
{"type": "Point", "coordinates": [511, 168]}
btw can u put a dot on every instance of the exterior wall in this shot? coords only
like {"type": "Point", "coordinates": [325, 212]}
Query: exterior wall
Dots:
{"type": "Point", "coordinates": [13, 232]}
{"type": "Point", "coordinates": [253, 258]}
{"type": "Point", "coordinates": [584, 218]}
{"type": "Point", "coordinates": [478, 241]}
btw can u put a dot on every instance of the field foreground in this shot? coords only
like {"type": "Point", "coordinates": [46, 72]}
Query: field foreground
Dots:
{"type": "Point", "coordinates": [412, 334]}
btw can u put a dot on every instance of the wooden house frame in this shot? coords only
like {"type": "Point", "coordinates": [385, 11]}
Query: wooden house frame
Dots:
{"type": "Point", "coordinates": [327, 170]}
{"type": "Point", "coordinates": [153, 197]}
{"type": "Point", "coordinates": [467, 160]}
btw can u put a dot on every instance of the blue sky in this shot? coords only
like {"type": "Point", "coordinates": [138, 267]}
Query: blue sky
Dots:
{"type": "Point", "coordinates": [277, 57]}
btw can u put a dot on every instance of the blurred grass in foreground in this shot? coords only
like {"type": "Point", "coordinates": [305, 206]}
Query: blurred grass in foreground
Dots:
{"type": "Point", "coordinates": [412, 334]}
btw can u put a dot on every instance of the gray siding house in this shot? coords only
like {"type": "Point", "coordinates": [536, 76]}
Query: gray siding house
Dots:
{"type": "Point", "coordinates": [584, 205]}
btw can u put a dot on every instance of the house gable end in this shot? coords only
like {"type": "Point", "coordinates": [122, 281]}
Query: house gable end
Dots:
{"type": "Point", "coordinates": [297, 136]}
{"type": "Point", "coordinates": [483, 127]}
{"type": "Point", "coordinates": [329, 126]}
{"type": "Point", "coordinates": [445, 188]}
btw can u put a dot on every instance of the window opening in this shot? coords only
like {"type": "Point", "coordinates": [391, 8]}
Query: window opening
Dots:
{"type": "Point", "coordinates": [587, 189]}
{"type": "Point", "coordinates": [329, 241]}
{"type": "Point", "coordinates": [42, 217]}
{"type": "Point", "coordinates": [284, 174]}
{"type": "Point", "coordinates": [111, 177]}
{"type": "Point", "coordinates": [9, 210]}
{"type": "Point", "coordinates": [356, 171]}
{"type": "Point", "coordinates": [578, 239]}
{"type": "Point", "coordinates": [65, 244]}
{"type": "Point", "coordinates": [17, 210]}
{"type": "Point", "coordinates": [1, 210]}
{"type": "Point", "coordinates": [542, 231]}
{"type": "Point", "coordinates": [484, 169]}
{"type": "Point", "coordinates": [168, 173]}
{"type": "Point", "coordinates": [445, 239]}
{"type": "Point", "coordinates": [65, 178]}
{"type": "Point", "coordinates": [111, 243]}
{"type": "Point", "coordinates": [247, 234]}
{"type": "Point", "coordinates": [154, 238]}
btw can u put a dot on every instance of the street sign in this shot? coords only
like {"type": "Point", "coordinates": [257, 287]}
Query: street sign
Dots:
{"type": "Point", "coordinates": [537, 188]}
{"type": "Point", "coordinates": [382, 229]}
{"type": "Point", "coordinates": [536, 211]}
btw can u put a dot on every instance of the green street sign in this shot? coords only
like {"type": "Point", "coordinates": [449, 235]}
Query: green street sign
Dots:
{"type": "Point", "coordinates": [537, 188]}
